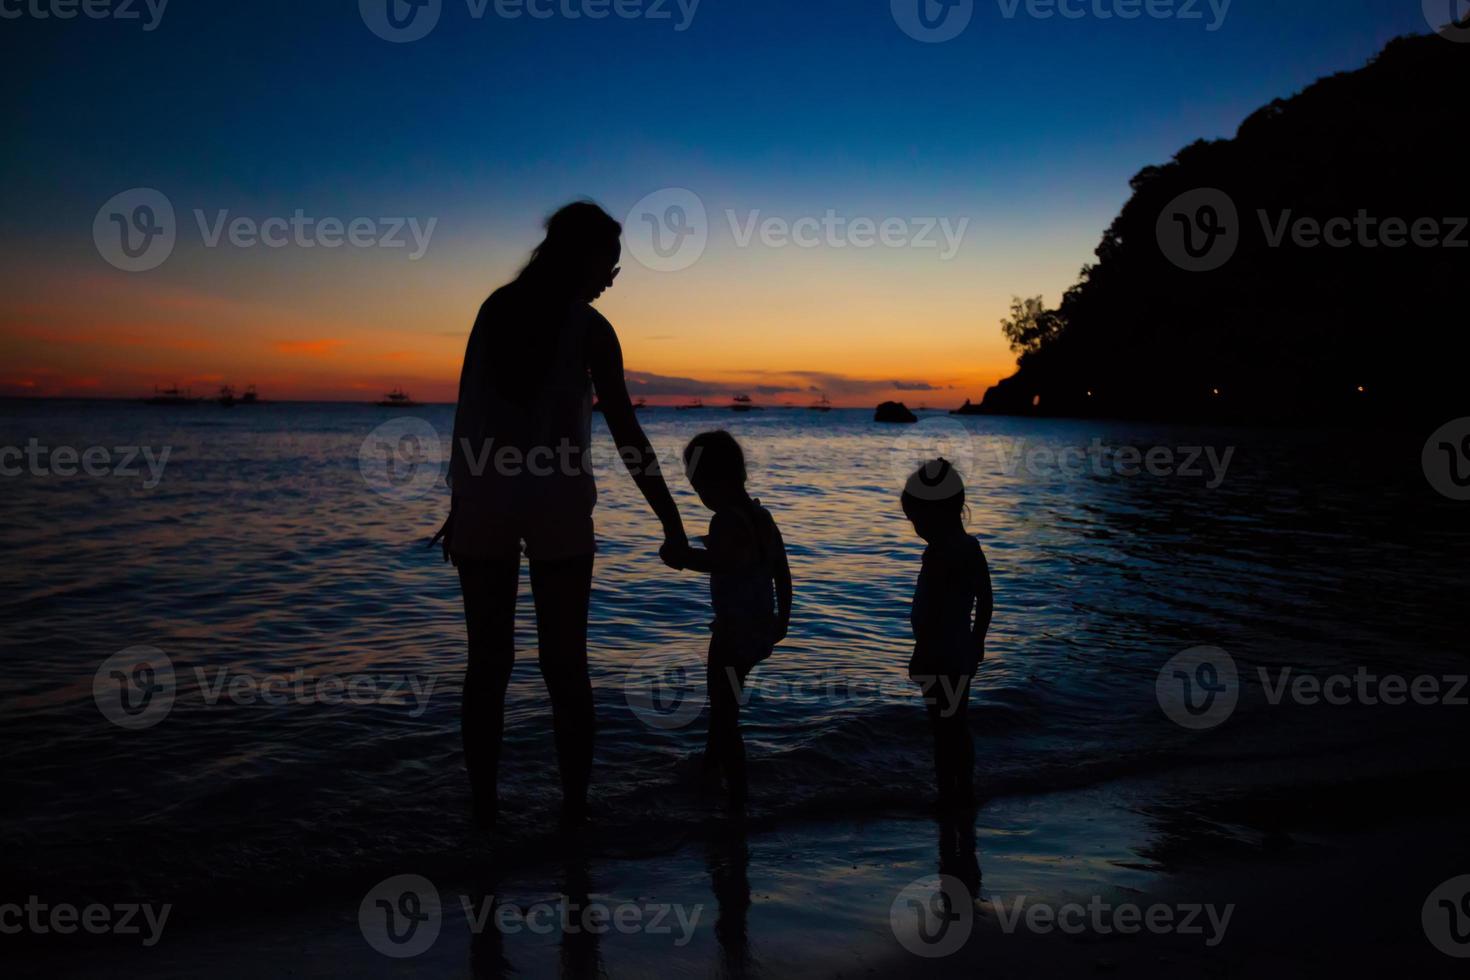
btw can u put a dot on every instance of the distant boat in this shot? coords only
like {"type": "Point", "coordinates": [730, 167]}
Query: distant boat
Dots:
{"type": "Point", "coordinates": [250, 397]}
{"type": "Point", "coordinates": [823, 404]}
{"type": "Point", "coordinates": [226, 397]}
{"type": "Point", "coordinates": [696, 404]}
{"type": "Point", "coordinates": [742, 403]}
{"type": "Point", "coordinates": [172, 396]}
{"type": "Point", "coordinates": [397, 398]}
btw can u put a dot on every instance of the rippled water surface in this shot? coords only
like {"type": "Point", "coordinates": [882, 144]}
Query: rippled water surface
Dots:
{"type": "Point", "coordinates": [264, 551]}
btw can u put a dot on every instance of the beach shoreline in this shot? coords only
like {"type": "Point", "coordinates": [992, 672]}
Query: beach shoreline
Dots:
{"type": "Point", "coordinates": [1275, 880]}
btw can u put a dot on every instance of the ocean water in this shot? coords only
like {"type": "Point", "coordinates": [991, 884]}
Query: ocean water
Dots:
{"type": "Point", "coordinates": [275, 545]}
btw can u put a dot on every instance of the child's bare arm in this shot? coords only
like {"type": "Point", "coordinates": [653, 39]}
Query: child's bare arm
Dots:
{"type": "Point", "coordinates": [984, 604]}
{"type": "Point", "coordinates": [724, 550]}
{"type": "Point", "coordinates": [783, 587]}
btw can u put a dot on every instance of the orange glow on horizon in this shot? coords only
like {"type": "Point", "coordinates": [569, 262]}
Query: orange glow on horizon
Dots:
{"type": "Point", "coordinates": [910, 332]}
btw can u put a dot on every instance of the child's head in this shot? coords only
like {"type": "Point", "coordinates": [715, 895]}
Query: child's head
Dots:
{"type": "Point", "coordinates": [934, 500]}
{"type": "Point", "coordinates": [716, 467]}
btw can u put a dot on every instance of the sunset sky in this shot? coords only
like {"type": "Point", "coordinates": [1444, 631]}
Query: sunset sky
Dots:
{"type": "Point", "coordinates": [1026, 130]}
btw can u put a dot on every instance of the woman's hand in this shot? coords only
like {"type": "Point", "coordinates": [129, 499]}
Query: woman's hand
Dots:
{"type": "Point", "coordinates": [444, 534]}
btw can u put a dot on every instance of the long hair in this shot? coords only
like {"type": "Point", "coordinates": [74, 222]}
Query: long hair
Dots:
{"type": "Point", "coordinates": [578, 236]}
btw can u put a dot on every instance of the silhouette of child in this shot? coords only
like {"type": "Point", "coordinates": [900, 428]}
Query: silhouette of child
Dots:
{"type": "Point", "coordinates": [950, 615]}
{"type": "Point", "coordinates": [750, 589]}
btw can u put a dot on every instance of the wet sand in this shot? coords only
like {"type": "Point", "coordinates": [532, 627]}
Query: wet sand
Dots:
{"type": "Point", "coordinates": [1291, 884]}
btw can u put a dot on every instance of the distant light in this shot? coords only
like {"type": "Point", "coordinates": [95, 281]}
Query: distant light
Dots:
{"type": "Point", "coordinates": [1036, 400]}
{"type": "Point", "coordinates": [1214, 391]}
{"type": "Point", "coordinates": [1089, 394]}
{"type": "Point", "coordinates": [1361, 389]}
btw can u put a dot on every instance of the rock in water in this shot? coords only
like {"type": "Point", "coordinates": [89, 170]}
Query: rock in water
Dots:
{"type": "Point", "coordinates": [894, 412]}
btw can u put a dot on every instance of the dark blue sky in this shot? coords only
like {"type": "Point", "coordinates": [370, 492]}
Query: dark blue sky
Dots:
{"type": "Point", "coordinates": [1026, 128]}
{"type": "Point", "coordinates": [776, 97]}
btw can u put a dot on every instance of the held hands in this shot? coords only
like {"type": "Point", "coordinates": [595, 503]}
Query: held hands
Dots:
{"type": "Point", "coordinates": [674, 553]}
{"type": "Point", "coordinates": [675, 548]}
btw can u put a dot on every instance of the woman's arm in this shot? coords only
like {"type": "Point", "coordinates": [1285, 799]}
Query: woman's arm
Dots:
{"type": "Point", "coordinates": [605, 356]}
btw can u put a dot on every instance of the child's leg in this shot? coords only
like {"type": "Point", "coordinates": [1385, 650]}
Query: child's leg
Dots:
{"type": "Point", "coordinates": [962, 759]}
{"type": "Point", "coordinates": [719, 708]}
{"type": "Point", "coordinates": [735, 743]}
{"type": "Point", "coordinates": [947, 701]}
{"type": "Point", "coordinates": [724, 747]}
{"type": "Point", "coordinates": [940, 734]}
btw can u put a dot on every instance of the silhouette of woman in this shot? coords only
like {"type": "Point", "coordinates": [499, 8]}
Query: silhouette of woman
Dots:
{"type": "Point", "coordinates": [521, 474]}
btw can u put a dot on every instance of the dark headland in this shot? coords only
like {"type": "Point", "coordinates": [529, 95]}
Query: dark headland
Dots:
{"type": "Point", "coordinates": [1291, 328]}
